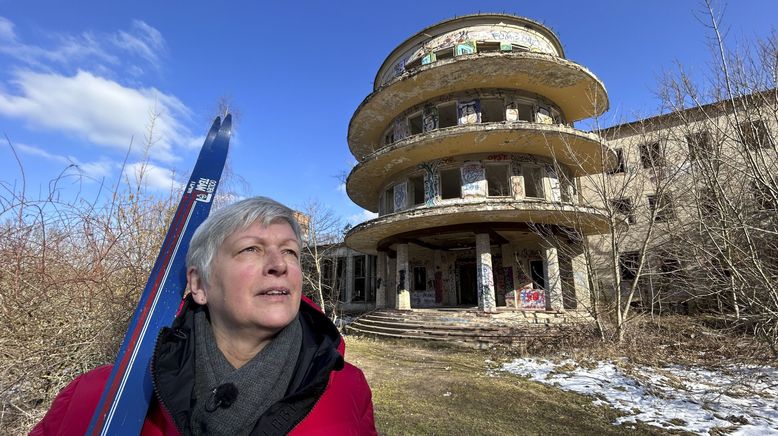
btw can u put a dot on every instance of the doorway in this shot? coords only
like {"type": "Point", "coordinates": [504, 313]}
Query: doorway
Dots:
{"type": "Point", "coordinates": [536, 270]}
{"type": "Point", "coordinates": [468, 294]}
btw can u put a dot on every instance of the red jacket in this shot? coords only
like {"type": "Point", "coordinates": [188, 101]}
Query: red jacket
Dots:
{"type": "Point", "coordinates": [326, 397]}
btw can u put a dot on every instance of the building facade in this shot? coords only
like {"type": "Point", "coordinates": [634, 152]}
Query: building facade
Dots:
{"type": "Point", "coordinates": [695, 194]}
{"type": "Point", "coordinates": [467, 151]}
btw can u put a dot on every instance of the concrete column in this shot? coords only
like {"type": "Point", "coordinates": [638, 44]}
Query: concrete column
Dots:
{"type": "Point", "coordinates": [380, 288]}
{"type": "Point", "coordinates": [485, 275]}
{"type": "Point", "coordinates": [553, 280]}
{"type": "Point", "coordinates": [581, 280]}
{"type": "Point", "coordinates": [391, 281]}
{"type": "Point", "coordinates": [403, 301]}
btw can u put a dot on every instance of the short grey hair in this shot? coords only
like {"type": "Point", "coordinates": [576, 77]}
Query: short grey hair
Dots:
{"type": "Point", "coordinates": [230, 219]}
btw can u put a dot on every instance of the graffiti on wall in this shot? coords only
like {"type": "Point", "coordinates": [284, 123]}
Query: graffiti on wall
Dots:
{"type": "Point", "coordinates": [473, 177]}
{"type": "Point", "coordinates": [422, 298]}
{"type": "Point", "coordinates": [469, 112]}
{"type": "Point", "coordinates": [438, 286]}
{"type": "Point", "coordinates": [553, 179]}
{"type": "Point", "coordinates": [465, 48]}
{"type": "Point", "coordinates": [430, 182]}
{"type": "Point", "coordinates": [401, 129]}
{"type": "Point", "coordinates": [400, 194]}
{"type": "Point", "coordinates": [516, 180]}
{"type": "Point", "coordinates": [430, 118]}
{"type": "Point", "coordinates": [401, 282]}
{"type": "Point", "coordinates": [532, 298]}
{"type": "Point", "coordinates": [485, 284]}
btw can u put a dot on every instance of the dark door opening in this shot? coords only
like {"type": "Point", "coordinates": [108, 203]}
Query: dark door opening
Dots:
{"type": "Point", "coordinates": [538, 278]}
{"type": "Point", "coordinates": [467, 285]}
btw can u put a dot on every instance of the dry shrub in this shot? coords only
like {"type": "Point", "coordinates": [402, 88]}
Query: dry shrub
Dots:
{"type": "Point", "coordinates": [70, 277]}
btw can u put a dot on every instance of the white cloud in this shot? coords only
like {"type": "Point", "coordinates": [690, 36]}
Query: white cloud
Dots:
{"type": "Point", "coordinates": [151, 176]}
{"type": "Point", "coordinates": [93, 170]}
{"type": "Point", "coordinates": [7, 30]}
{"type": "Point", "coordinates": [98, 110]}
{"type": "Point", "coordinates": [365, 215]}
{"type": "Point", "coordinates": [117, 51]}
{"type": "Point", "coordinates": [342, 188]}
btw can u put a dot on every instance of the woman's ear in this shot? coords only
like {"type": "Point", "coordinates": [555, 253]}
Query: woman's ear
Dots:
{"type": "Point", "coordinates": [196, 286]}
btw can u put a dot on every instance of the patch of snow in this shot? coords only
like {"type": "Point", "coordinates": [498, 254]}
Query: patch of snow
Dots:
{"type": "Point", "coordinates": [743, 399]}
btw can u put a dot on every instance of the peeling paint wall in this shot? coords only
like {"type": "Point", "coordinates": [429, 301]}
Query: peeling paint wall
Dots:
{"type": "Point", "coordinates": [400, 196]}
{"type": "Point", "coordinates": [505, 34]}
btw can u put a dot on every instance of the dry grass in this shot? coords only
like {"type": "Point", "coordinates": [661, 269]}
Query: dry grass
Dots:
{"type": "Point", "coordinates": [426, 389]}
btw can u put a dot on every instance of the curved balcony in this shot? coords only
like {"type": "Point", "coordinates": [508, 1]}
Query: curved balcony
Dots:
{"type": "Point", "coordinates": [573, 88]}
{"type": "Point", "coordinates": [584, 153]}
{"type": "Point", "coordinates": [499, 213]}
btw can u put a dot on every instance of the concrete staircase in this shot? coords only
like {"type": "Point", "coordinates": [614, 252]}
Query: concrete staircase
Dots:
{"type": "Point", "coordinates": [465, 326]}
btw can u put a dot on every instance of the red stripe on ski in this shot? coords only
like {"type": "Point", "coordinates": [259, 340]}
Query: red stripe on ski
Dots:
{"type": "Point", "coordinates": [178, 221]}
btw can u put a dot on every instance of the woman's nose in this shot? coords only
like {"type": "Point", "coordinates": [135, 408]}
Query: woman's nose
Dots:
{"type": "Point", "coordinates": [274, 263]}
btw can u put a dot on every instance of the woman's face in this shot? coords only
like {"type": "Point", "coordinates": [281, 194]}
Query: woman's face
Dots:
{"type": "Point", "coordinates": [255, 281]}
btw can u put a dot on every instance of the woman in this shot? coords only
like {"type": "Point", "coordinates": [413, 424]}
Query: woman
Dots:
{"type": "Point", "coordinates": [247, 354]}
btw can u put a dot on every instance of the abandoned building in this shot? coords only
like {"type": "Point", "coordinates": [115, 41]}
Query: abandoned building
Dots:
{"type": "Point", "coordinates": [467, 151]}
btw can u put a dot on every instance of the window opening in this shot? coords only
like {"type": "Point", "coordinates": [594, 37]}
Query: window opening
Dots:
{"type": "Point", "coordinates": [699, 146]}
{"type": "Point", "coordinates": [663, 205]}
{"type": "Point", "coordinates": [497, 181]}
{"type": "Point", "coordinates": [651, 155]}
{"type": "Point", "coordinates": [389, 200]}
{"type": "Point", "coordinates": [447, 115]}
{"type": "Point", "coordinates": [358, 293]}
{"type": "Point", "coordinates": [755, 135]}
{"type": "Point", "coordinates": [450, 184]}
{"type": "Point", "coordinates": [417, 189]}
{"type": "Point", "coordinates": [492, 110]}
{"type": "Point", "coordinates": [415, 123]}
{"type": "Point", "coordinates": [533, 182]}
{"type": "Point", "coordinates": [624, 207]}
{"type": "Point", "coordinates": [628, 265]}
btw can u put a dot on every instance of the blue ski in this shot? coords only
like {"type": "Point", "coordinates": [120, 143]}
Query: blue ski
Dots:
{"type": "Point", "coordinates": [125, 400]}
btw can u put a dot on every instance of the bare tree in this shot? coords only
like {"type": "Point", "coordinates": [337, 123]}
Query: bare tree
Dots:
{"type": "Point", "coordinates": [322, 236]}
{"type": "Point", "coordinates": [729, 250]}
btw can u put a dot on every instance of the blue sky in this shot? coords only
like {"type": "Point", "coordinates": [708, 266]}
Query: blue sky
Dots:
{"type": "Point", "coordinates": [79, 79]}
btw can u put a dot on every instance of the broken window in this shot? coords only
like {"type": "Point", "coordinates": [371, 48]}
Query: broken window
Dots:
{"type": "Point", "coordinates": [533, 182]}
{"type": "Point", "coordinates": [428, 58]}
{"type": "Point", "coordinates": [755, 135]}
{"type": "Point", "coordinates": [763, 197]}
{"type": "Point", "coordinates": [628, 265]}
{"type": "Point", "coordinates": [419, 278]}
{"type": "Point", "coordinates": [358, 292]}
{"type": "Point", "coordinates": [417, 189]}
{"type": "Point", "coordinates": [543, 116]}
{"type": "Point", "coordinates": [497, 182]}
{"type": "Point", "coordinates": [622, 165]}
{"type": "Point", "coordinates": [624, 207]}
{"type": "Point", "coordinates": [450, 184]}
{"type": "Point", "coordinates": [661, 206]}
{"type": "Point", "coordinates": [415, 123]}
{"type": "Point", "coordinates": [446, 53]}
{"type": "Point", "coordinates": [389, 200]}
{"type": "Point", "coordinates": [447, 115]}
{"type": "Point", "coordinates": [488, 46]}
{"type": "Point", "coordinates": [699, 146]}
{"type": "Point", "coordinates": [651, 155]}
{"type": "Point", "coordinates": [526, 111]}
{"type": "Point", "coordinates": [492, 110]}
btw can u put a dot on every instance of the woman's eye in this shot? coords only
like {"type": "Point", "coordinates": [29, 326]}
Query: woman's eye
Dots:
{"type": "Point", "coordinates": [251, 249]}
{"type": "Point", "coordinates": [291, 252]}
